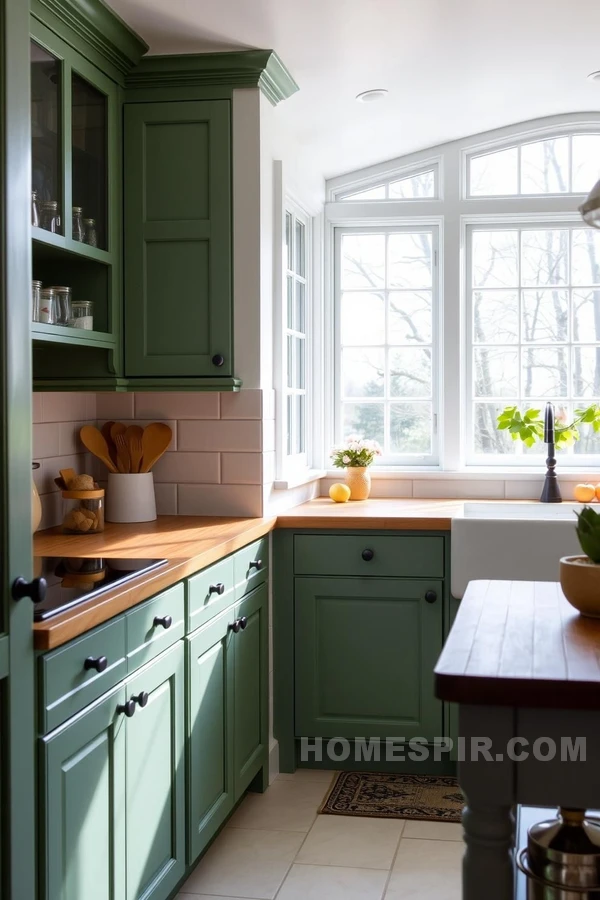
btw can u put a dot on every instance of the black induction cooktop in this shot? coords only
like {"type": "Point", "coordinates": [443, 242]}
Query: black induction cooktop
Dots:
{"type": "Point", "coordinates": [73, 580]}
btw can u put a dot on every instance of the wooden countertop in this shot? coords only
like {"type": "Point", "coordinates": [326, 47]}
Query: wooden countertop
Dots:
{"type": "Point", "coordinates": [418, 515]}
{"type": "Point", "coordinates": [520, 643]}
{"type": "Point", "coordinates": [189, 543]}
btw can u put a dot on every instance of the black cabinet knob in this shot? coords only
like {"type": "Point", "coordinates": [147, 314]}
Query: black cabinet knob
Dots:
{"type": "Point", "coordinates": [218, 360]}
{"type": "Point", "coordinates": [218, 588]}
{"type": "Point", "coordinates": [255, 564]}
{"type": "Point", "coordinates": [35, 589]}
{"type": "Point", "coordinates": [368, 555]}
{"type": "Point", "coordinates": [430, 596]}
{"type": "Point", "coordinates": [165, 621]}
{"type": "Point", "coordinates": [243, 622]}
{"type": "Point", "coordinates": [141, 699]}
{"type": "Point", "coordinates": [127, 708]}
{"type": "Point", "coordinates": [99, 663]}
{"type": "Point", "coordinates": [235, 626]}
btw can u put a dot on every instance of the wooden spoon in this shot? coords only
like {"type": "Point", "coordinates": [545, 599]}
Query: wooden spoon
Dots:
{"type": "Point", "coordinates": [67, 476]}
{"type": "Point", "coordinates": [95, 443]}
{"type": "Point", "coordinates": [109, 441]}
{"type": "Point", "coordinates": [123, 458]}
{"type": "Point", "coordinates": [155, 440]}
{"type": "Point", "coordinates": [133, 437]}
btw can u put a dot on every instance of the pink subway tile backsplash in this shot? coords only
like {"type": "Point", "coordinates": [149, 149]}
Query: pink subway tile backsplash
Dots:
{"type": "Point", "coordinates": [243, 405]}
{"type": "Point", "coordinates": [190, 468]}
{"type": "Point", "coordinates": [219, 500]}
{"type": "Point", "coordinates": [232, 435]}
{"type": "Point", "coordinates": [177, 406]}
{"type": "Point", "coordinates": [115, 407]}
{"type": "Point", "coordinates": [37, 413]}
{"type": "Point", "coordinates": [166, 499]}
{"type": "Point", "coordinates": [241, 468]}
{"type": "Point", "coordinates": [46, 440]}
{"type": "Point", "coordinates": [68, 406]}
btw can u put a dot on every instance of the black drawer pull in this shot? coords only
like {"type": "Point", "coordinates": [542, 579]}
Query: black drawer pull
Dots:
{"type": "Point", "coordinates": [165, 621]}
{"type": "Point", "coordinates": [430, 596]}
{"type": "Point", "coordinates": [368, 555]}
{"type": "Point", "coordinates": [243, 622]}
{"type": "Point", "coordinates": [218, 588]}
{"type": "Point", "coordinates": [35, 589]}
{"type": "Point", "coordinates": [141, 699]}
{"type": "Point", "coordinates": [255, 564]}
{"type": "Point", "coordinates": [218, 360]}
{"type": "Point", "coordinates": [128, 708]}
{"type": "Point", "coordinates": [235, 626]}
{"type": "Point", "coordinates": [99, 663]}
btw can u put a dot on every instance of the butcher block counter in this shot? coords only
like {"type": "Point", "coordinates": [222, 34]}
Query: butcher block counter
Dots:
{"type": "Point", "coordinates": [189, 543]}
{"type": "Point", "coordinates": [524, 667]}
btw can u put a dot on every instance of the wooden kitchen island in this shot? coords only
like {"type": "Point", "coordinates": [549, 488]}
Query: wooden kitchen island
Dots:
{"type": "Point", "coordinates": [524, 667]}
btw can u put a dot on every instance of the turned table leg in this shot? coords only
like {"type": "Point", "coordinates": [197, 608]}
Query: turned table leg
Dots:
{"type": "Point", "coordinates": [488, 869]}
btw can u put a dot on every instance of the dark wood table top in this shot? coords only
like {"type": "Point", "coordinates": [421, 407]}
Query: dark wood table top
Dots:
{"type": "Point", "coordinates": [520, 643]}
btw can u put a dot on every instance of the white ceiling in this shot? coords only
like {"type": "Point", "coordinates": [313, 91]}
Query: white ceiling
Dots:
{"type": "Point", "coordinates": [452, 67]}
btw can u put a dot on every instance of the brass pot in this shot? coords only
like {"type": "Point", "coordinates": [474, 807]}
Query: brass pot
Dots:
{"type": "Point", "coordinates": [562, 860]}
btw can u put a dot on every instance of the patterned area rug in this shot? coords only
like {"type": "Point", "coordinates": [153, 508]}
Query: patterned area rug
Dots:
{"type": "Point", "coordinates": [389, 796]}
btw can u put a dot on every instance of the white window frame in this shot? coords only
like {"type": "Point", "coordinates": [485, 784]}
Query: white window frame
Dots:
{"type": "Point", "coordinates": [292, 467]}
{"type": "Point", "coordinates": [453, 211]}
{"type": "Point", "coordinates": [389, 177]}
{"type": "Point", "coordinates": [397, 460]}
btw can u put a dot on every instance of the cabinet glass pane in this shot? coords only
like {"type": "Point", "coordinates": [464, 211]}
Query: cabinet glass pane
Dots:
{"type": "Point", "coordinates": [45, 137]}
{"type": "Point", "coordinates": [90, 182]}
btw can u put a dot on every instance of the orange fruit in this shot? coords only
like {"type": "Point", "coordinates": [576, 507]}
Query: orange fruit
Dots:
{"type": "Point", "coordinates": [584, 492]}
{"type": "Point", "coordinates": [598, 492]}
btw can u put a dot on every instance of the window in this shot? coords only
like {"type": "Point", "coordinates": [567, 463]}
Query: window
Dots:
{"type": "Point", "coordinates": [416, 186]}
{"type": "Point", "coordinates": [422, 354]}
{"type": "Point", "coordinates": [559, 165]}
{"type": "Point", "coordinates": [387, 373]}
{"type": "Point", "coordinates": [534, 313]}
{"type": "Point", "coordinates": [296, 331]}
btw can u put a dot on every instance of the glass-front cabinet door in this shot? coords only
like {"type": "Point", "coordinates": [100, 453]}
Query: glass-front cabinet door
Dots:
{"type": "Point", "coordinates": [76, 200]}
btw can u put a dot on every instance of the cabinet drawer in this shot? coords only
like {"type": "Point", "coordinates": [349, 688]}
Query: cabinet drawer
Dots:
{"type": "Point", "coordinates": [155, 625]}
{"type": "Point", "coordinates": [67, 685]}
{"type": "Point", "coordinates": [251, 566]}
{"type": "Point", "coordinates": [210, 592]}
{"type": "Point", "coordinates": [384, 555]}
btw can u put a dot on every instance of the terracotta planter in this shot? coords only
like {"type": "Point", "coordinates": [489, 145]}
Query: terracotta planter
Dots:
{"type": "Point", "coordinates": [580, 581]}
{"type": "Point", "coordinates": [358, 479]}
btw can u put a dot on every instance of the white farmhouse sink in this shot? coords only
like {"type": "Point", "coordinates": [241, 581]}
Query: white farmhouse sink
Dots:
{"type": "Point", "coordinates": [511, 541]}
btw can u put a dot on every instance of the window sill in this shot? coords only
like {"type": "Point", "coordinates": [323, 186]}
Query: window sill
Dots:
{"type": "Point", "coordinates": [298, 479]}
{"type": "Point", "coordinates": [480, 473]}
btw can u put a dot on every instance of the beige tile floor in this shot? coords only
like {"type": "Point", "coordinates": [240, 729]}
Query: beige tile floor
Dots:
{"type": "Point", "coordinates": [275, 846]}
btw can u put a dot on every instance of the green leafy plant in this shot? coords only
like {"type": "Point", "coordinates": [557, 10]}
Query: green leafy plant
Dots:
{"type": "Point", "coordinates": [588, 532]}
{"type": "Point", "coordinates": [528, 426]}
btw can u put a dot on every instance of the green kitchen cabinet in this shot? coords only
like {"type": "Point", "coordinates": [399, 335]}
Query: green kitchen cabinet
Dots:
{"type": "Point", "coordinates": [227, 713]}
{"type": "Point", "coordinates": [155, 778]}
{"type": "Point", "coordinates": [210, 730]}
{"type": "Point", "coordinates": [365, 650]}
{"type": "Point", "coordinates": [251, 674]}
{"type": "Point", "coordinates": [113, 791]}
{"type": "Point", "coordinates": [177, 239]}
{"type": "Point", "coordinates": [83, 789]}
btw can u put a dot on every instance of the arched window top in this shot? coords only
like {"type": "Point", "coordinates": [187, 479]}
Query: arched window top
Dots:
{"type": "Point", "coordinates": [560, 164]}
{"type": "Point", "coordinates": [410, 184]}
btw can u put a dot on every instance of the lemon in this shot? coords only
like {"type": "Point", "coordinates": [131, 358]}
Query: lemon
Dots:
{"type": "Point", "coordinates": [340, 493]}
{"type": "Point", "coordinates": [584, 492]}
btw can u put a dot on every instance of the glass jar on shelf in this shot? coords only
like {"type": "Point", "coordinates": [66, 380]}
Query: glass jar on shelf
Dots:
{"type": "Point", "coordinates": [82, 314]}
{"type": "Point", "coordinates": [83, 511]}
{"type": "Point", "coordinates": [36, 287]}
{"type": "Point", "coordinates": [90, 234]}
{"type": "Point", "coordinates": [47, 307]}
{"type": "Point", "coordinates": [78, 231]}
{"type": "Point", "coordinates": [35, 209]}
{"type": "Point", "coordinates": [62, 300]}
{"type": "Point", "coordinates": [49, 219]}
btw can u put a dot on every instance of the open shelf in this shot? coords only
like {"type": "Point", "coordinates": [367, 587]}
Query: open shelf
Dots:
{"type": "Point", "coordinates": [46, 244]}
{"type": "Point", "coordinates": [60, 334]}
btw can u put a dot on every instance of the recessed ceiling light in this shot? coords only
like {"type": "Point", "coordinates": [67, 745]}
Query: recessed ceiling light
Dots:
{"type": "Point", "coordinates": [371, 96]}
{"type": "Point", "coordinates": [594, 76]}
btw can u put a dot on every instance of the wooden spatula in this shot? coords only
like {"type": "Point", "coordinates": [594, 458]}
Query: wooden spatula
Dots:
{"type": "Point", "coordinates": [133, 437]}
{"type": "Point", "coordinates": [105, 430]}
{"type": "Point", "coordinates": [123, 458]}
{"type": "Point", "coordinates": [95, 443]}
{"type": "Point", "coordinates": [67, 475]}
{"type": "Point", "coordinates": [155, 440]}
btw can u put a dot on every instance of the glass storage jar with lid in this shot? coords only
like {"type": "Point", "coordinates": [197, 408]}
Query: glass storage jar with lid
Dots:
{"type": "Point", "coordinates": [62, 297]}
{"type": "Point", "coordinates": [35, 209]}
{"type": "Point", "coordinates": [82, 314]}
{"type": "Point", "coordinates": [77, 230]}
{"type": "Point", "coordinates": [90, 234]}
{"type": "Point", "coordinates": [50, 220]}
{"type": "Point", "coordinates": [47, 306]}
{"type": "Point", "coordinates": [36, 287]}
{"type": "Point", "coordinates": [83, 511]}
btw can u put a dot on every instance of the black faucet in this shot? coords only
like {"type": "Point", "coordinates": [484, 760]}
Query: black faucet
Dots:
{"type": "Point", "coordinates": [551, 490]}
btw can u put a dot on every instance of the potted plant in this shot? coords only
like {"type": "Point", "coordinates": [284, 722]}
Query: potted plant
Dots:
{"type": "Point", "coordinates": [355, 456]}
{"type": "Point", "coordinates": [580, 575]}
